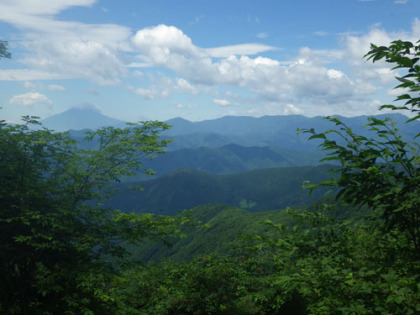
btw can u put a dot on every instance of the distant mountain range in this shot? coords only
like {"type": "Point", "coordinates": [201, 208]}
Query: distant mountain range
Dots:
{"type": "Point", "coordinates": [229, 144]}
{"type": "Point", "coordinates": [272, 131]}
{"type": "Point", "coordinates": [230, 158]}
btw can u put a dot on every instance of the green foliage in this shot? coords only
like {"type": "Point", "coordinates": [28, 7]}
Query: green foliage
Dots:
{"type": "Point", "coordinates": [222, 225]}
{"type": "Point", "coordinates": [382, 171]}
{"type": "Point", "coordinates": [339, 267]}
{"type": "Point", "coordinates": [207, 285]}
{"type": "Point", "coordinates": [383, 174]}
{"type": "Point", "coordinates": [405, 56]}
{"type": "Point", "coordinates": [4, 51]}
{"type": "Point", "coordinates": [57, 249]}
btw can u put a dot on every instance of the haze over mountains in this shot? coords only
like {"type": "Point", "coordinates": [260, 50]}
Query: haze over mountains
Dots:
{"type": "Point", "coordinates": [272, 131]}
{"type": "Point", "coordinates": [257, 164]}
{"type": "Point", "coordinates": [229, 144]}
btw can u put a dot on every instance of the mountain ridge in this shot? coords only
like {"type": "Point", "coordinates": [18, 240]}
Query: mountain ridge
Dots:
{"type": "Point", "coordinates": [255, 190]}
{"type": "Point", "coordinates": [80, 118]}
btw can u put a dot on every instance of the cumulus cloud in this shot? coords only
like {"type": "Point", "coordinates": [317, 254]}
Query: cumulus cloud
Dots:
{"type": "Point", "coordinates": [338, 79]}
{"type": "Point", "coordinates": [30, 99]}
{"type": "Point", "coordinates": [162, 40]}
{"type": "Point", "coordinates": [65, 49]}
{"type": "Point", "coordinates": [163, 86]}
{"type": "Point", "coordinates": [221, 102]}
{"type": "Point", "coordinates": [306, 79]}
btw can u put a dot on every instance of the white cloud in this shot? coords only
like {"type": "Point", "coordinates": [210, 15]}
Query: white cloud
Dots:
{"type": "Point", "coordinates": [183, 85]}
{"type": "Point", "coordinates": [56, 87]}
{"type": "Point", "coordinates": [221, 102]}
{"type": "Point", "coordinates": [241, 50]}
{"type": "Point", "coordinates": [77, 59]}
{"type": "Point", "coordinates": [400, 1]}
{"type": "Point", "coordinates": [292, 109]}
{"type": "Point", "coordinates": [30, 99]}
{"type": "Point", "coordinates": [30, 74]}
{"type": "Point", "coordinates": [338, 79]}
{"type": "Point", "coordinates": [39, 86]}
{"type": "Point", "coordinates": [320, 33]}
{"type": "Point", "coordinates": [307, 79]}
{"type": "Point", "coordinates": [162, 40]}
{"type": "Point", "coordinates": [262, 35]}
{"type": "Point", "coordinates": [63, 49]}
{"type": "Point", "coordinates": [40, 7]}
{"type": "Point", "coordinates": [164, 86]}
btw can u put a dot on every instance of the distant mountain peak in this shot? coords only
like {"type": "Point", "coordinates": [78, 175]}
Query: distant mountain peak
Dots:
{"type": "Point", "coordinates": [78, 118]}
{"type": "Point", "coordinates": [178, 120]}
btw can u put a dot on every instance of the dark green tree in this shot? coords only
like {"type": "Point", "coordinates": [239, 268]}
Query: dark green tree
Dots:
{"type": "Point", "coordinates": [59, 248]}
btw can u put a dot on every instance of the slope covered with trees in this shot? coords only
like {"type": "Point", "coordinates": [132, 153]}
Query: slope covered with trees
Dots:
{"type": "Point", "coordinates": [59, 253]}
{"type": "Point", "coordinates": [256, 190]}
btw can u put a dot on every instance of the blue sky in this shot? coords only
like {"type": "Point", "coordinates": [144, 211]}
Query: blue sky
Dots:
{"type": "Point", "coordinates": [196, 59]}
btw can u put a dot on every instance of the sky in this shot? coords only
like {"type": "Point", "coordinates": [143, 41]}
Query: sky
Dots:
{"type": "Point", "coordinates": [196, 59]}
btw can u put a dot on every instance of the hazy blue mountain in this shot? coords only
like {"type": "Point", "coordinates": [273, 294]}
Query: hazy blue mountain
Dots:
{"type": "Point", "coordinates": [269, 125]}
{"type": "Point", "coordinates": [230, 158]}
{"type": "Point", "coordinates": [274, 131]}
{"type": "Point", "coordinates": [180, 126]}
{"type": "Point", "coordinates": [256, 190]}
{"type": "Point", "coordinates": [80, 118]}
{"type": "Point", "coordinates": [239, 125]}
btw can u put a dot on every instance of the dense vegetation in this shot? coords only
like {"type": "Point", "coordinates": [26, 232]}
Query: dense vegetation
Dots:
{"type": "Point", "coordinates": [62, 253]}
{"type": "Point", "coordinates": [59, 252]}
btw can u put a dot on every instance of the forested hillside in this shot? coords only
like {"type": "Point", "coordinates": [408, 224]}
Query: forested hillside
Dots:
{"type": "Point", "coordinates": [257, 190]}
{"type": "Point", "coordinates": [221, 227]}
{"type": "Point", "coordinates": [231, 158]}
